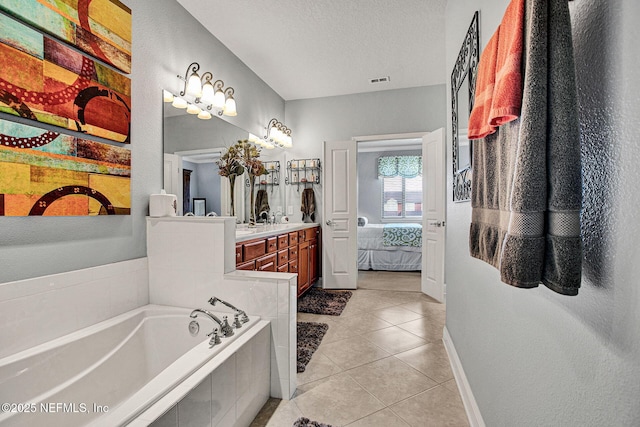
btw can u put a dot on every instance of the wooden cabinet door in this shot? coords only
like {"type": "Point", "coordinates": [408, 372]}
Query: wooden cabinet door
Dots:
{"type": "Point", "coordinates": [303, 267]}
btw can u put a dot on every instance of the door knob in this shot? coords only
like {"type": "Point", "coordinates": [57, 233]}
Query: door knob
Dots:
{"type": "Point", "coordinates": [329, 222]}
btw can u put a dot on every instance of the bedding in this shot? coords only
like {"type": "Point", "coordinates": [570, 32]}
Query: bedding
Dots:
{"type": "Point", "coordinates": [399, 254]}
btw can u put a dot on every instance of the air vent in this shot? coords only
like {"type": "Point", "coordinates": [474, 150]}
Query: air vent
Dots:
{"type": "Point", "coordinates": [385, 79]}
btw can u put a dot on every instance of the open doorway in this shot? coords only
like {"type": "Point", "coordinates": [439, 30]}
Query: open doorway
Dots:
{"type": "Point", "coordinates": [390, 201]}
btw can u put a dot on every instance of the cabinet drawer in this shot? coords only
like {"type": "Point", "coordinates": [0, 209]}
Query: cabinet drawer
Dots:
{"type": "Point", "coordinates": [283, 268]}
{"type": "Point", "coordinates": [283, 241]}
{"type": "Point", "coordinates": [293, 253]}
{"type": "Point", "coordinates": [238, 254]}
{"type": "Point", "coordinates": [251, 265]}
{"type": "Point", "coordinates": [310, 233]}
{"type": "Point", "coordinates": [293, 266]}
{"type": "Point", "coordinates": [266, 263]}
{"type": "Point", "coordinates": [254, 250]}
{"type": "Point", "coordinates": [283, 257]}
{"type": "Point", "coordinates": [293, 238]}
{"type": "Point", "coordinates": [272, 244]}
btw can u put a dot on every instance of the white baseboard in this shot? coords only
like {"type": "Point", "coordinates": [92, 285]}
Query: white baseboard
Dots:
{"type": "Point", "coordinates": [469, 401]}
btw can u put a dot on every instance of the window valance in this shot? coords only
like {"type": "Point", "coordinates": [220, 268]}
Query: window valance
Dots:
{"type": "Point", "coordinates": [404, 166]}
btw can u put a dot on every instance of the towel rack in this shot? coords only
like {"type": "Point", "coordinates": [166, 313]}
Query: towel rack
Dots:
{"type": "Point", "coordinates": [305, 172]}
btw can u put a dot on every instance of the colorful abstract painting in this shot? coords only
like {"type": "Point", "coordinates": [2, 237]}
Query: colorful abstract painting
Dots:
{"type": "Point", "coordinates": [101, 28]}
{"type": "Point", "coordinates": [53, 174]}
{"type": "Point", "coordinates": [44, 80]}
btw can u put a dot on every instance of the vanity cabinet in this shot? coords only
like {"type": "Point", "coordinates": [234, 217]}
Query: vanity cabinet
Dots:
{"type": "Point", "coordinates": [285, 252]}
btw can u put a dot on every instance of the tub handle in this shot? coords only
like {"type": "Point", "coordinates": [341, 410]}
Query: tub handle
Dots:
{"type": "Point", "coordinates": [215, 338]}
{"type": "Point", "coordinates": [194, 328]}
{"type": "Point", "coordinates": [236, 321]}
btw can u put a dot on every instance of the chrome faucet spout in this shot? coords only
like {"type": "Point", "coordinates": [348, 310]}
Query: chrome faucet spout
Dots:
{"type": "Point", "coordinates": [225, 328]}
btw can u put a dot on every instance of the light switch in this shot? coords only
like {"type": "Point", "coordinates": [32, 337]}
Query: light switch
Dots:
{"type": "Point", "coordinates": [289, 210]}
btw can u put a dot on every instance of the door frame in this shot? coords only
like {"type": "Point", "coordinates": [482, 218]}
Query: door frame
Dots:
{"type": "Point", "coordinates": [399, 136]}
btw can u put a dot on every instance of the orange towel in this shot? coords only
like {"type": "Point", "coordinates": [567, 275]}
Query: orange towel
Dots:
{"type": "Point", "coordinates": [479, 125]}
{"type": "Point", "coordinates": [507, 92]}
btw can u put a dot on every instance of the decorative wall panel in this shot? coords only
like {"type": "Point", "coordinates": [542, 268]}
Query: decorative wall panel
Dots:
{"type": "Point", "coordinates": [44, 80]}
{"type": "Point", "coordinates": [53, 174]}
{"type": "Point", "coordinates": [100, 28]}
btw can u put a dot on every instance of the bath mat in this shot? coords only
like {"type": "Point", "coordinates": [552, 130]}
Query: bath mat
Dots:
{"type": "Point", "coordinates": [310, 336]}
{"type": "Point", "coordinates": [305, 422]}
{"type": "Point", "coordinates": [319, 301]}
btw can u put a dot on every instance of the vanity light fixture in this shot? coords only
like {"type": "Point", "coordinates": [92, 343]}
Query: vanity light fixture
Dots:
{"type": "Point", "coordinates": [206, 94]}
{"type": "Point", "coordinates": [278, 135]}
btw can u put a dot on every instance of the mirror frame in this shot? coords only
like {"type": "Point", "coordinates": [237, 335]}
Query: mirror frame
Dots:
{"type": "Point", "coordinates": [466, 66]}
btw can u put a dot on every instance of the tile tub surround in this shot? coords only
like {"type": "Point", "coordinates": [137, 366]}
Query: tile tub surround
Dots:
{"type": "Point", "coordinates": [192, 259]}
{"type": "Point", "coordinates": [358, 378]}
{"type": "Point", "coordinates": [229, 391]}
{"type": "Point", "coordinates": [74, 299]}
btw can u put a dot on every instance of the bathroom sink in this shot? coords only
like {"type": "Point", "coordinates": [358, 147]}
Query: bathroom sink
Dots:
{"type": "Point", "coordinates": [245, 232]}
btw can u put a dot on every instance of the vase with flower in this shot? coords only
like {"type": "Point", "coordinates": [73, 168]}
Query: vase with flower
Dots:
{"type": "Point", "coordinates": [231, 166]}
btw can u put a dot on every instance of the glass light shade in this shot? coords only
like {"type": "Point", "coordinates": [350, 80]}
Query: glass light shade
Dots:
{"type": "Point", "coordinates": [193, 109]}
{"type": "Point", "coordinates": [255, 139]}
{"type": "Point", "coordinates": [287, 141]}
{"type": "Point", "coordinates": [194, 85]}
{"type": "Point", "coordinates": [230, 107]}
{"type": "Point", "coordinates": [167, 96]}
{"type": "Point", "coordinates": [208, 94]}
{"type": "Point", "coordinates": [179, 102]}
{"type": "Point", "coordinates": [204, 115]}
{"type": "Point", "coordinates": [218, 99]}
{"type": "Point", "coordinates": [273, 133]}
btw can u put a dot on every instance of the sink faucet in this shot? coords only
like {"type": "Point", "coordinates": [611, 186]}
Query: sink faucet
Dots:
{"type": "Point", "coordinates": [277, 217]}
{"type": "Point", "coordinates": [244, 317]}
{"type": "Point", "coordinates": [225, 328]}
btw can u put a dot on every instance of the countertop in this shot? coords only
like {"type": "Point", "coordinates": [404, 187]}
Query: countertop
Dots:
{"type": "Point", "coordinates": [245, 233]}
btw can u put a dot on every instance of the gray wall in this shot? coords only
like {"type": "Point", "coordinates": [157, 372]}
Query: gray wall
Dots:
{"type": "Point", "coordinates": [533, 357]}
{"type": "Point", "coordinates": [166, 39]}
{"type": "Point", "coordinates": [340, 118]}
{"type": "Point", "coordinates": [370, 186]}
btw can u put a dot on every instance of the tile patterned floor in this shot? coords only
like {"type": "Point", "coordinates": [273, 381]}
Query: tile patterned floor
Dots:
{"type": "Point", "coordinates": [382, 363]}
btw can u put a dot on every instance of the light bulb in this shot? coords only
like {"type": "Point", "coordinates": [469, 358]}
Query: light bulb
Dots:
{"type": "Point", "coordinates": [218, 99]}
{"type": "Point", "coordinates": [193, 109]}
{"type": "Point", "coordinates": [179, 102]}
{"type": "Point", "coordinates": [204, 115]}
{"type": "Point", "coordinates": [230, 107]}
{"type": "Point", "coordinates": [194, 85]}
{"type": "Point", "coordinates": [208, 95]}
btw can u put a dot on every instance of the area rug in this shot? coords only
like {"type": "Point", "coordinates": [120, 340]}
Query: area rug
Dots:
{"type": "Point", "coordinates": [305, 422]}
{"type": "Point", "coordinates": [320, 301]}
{"type": "Point", "coordinates": [310, 336]}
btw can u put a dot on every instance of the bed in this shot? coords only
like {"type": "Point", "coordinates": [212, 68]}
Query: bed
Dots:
{"type": "Point", "coordinates": [394, 247]}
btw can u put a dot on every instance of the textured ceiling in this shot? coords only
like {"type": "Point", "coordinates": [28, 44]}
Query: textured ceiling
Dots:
{"type": "Point", "coordinates": [317, 48]}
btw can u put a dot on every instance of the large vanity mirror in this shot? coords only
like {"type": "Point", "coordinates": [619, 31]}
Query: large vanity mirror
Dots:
{"type": "Point", "coordinates": [191, 148]}
{"type": "Point", "coordinates": [463, 85]}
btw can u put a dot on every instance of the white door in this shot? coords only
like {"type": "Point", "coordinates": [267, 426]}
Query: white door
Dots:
{"type": "Point", "coordinates": [433, 214]}
{"type": "Point", "coordinates": [340, 209]}
{"type": "Point", "coordinates": [173, 177]}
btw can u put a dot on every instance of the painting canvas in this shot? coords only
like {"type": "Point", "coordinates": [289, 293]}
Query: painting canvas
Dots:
{"type": "Point", "coordinates": [45, 80]}
{"type": "Point", "coordinates": [53, 174]}
{"type": "Point", "coordinates": [100, 28]}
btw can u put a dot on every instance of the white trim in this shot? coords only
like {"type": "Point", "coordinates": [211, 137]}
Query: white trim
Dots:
{"type": "Point", "coordinates": [411, 135]}
{"type": "Point", "coordinates": [469, 401]}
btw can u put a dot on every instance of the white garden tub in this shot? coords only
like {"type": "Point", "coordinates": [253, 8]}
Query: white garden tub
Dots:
{"type": "Point", "coordinates": [109, 373]}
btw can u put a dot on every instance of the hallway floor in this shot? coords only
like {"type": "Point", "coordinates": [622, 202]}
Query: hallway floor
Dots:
{"type": "Point", "coordinates": [381, 363]}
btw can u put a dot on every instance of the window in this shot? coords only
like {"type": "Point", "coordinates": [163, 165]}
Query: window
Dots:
{"type": "Point", "coordinates": [401, 186]}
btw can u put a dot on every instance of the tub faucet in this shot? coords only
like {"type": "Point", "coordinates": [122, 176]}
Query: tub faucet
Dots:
{"type": "Point", "coordinates": [243, 316]}
{"type": "Point", "coordinates": [225, 328]}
